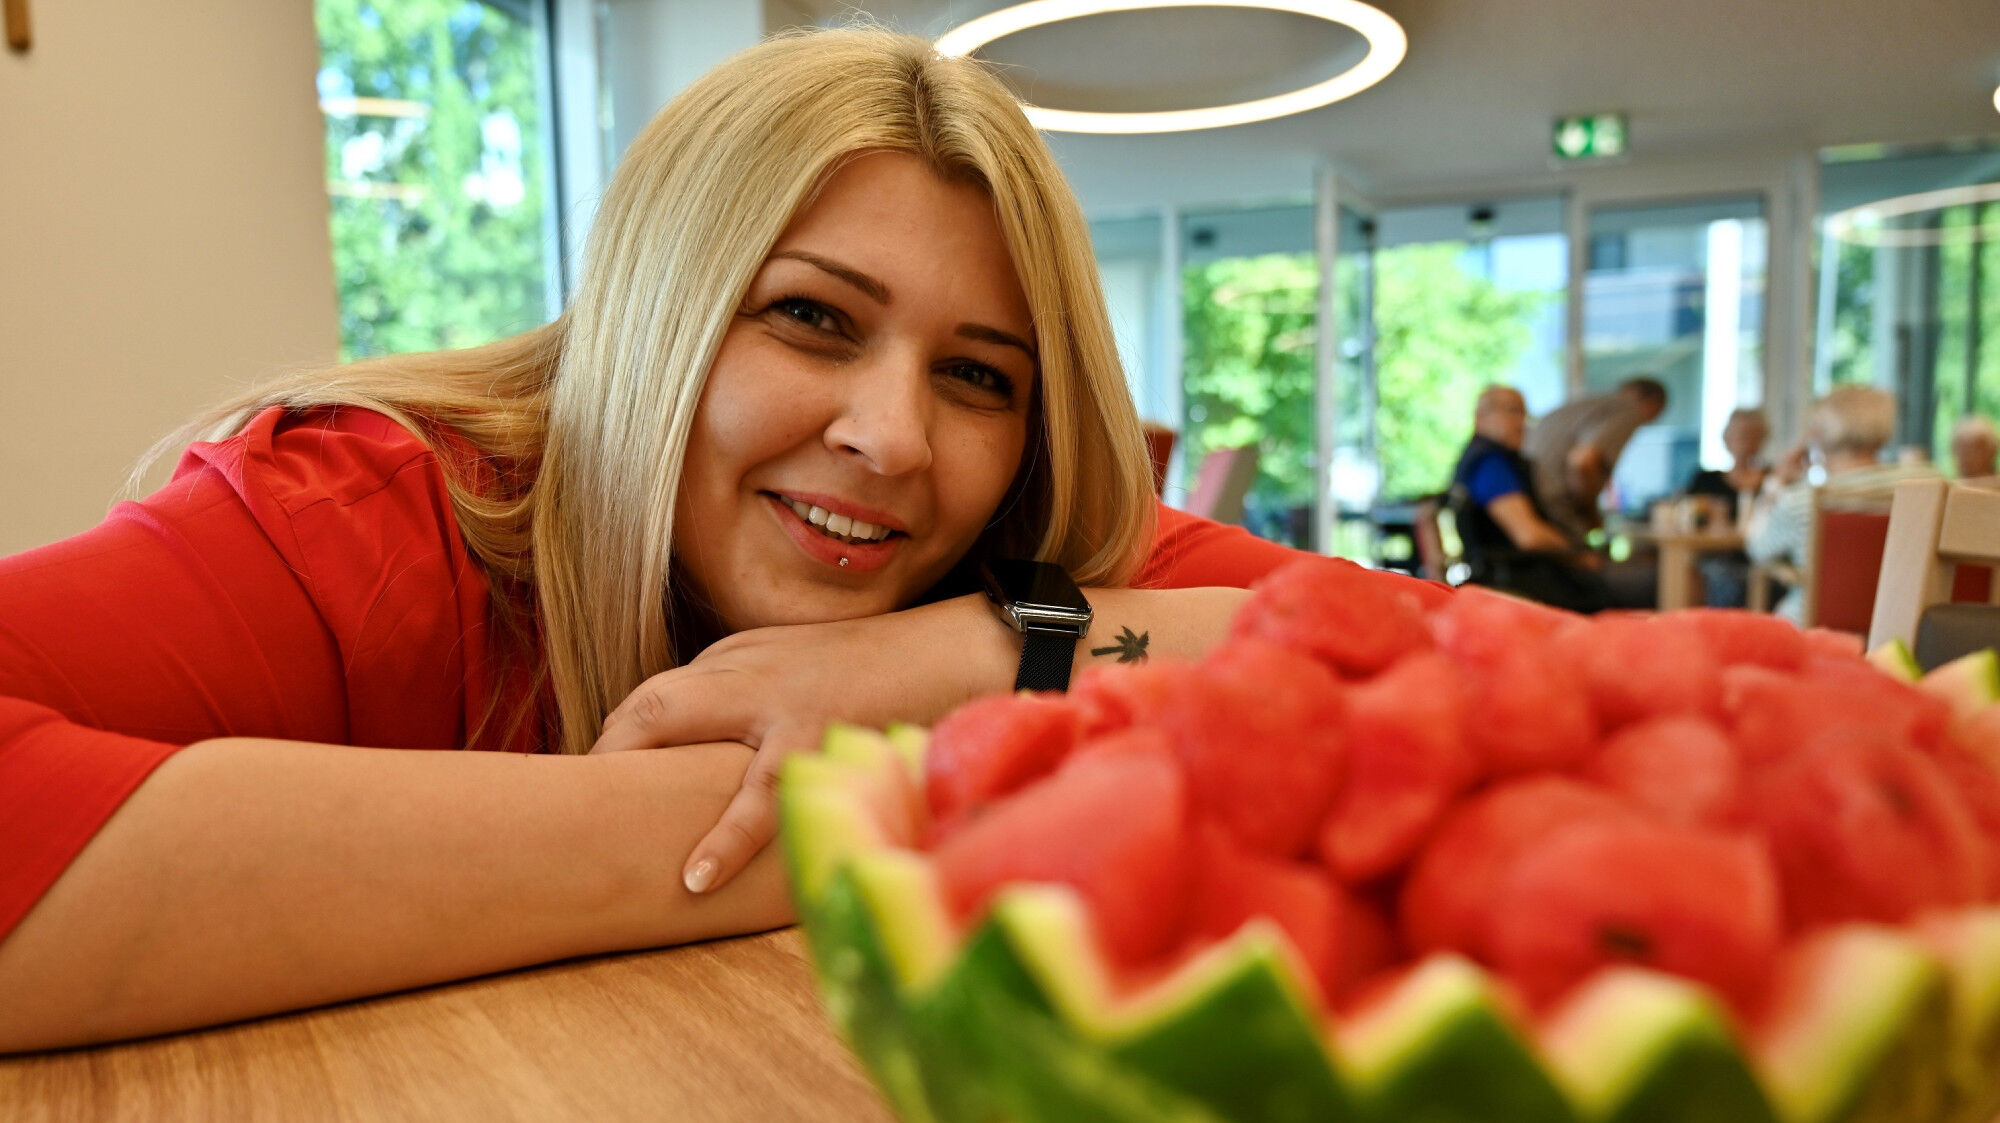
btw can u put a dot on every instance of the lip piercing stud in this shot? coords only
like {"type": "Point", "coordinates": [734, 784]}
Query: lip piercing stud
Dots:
{"type": "Point", "coordinates": [843, 561]}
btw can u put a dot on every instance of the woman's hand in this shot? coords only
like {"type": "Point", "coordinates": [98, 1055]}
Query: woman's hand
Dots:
{"type": "Point", "coordinates": [775, 689]}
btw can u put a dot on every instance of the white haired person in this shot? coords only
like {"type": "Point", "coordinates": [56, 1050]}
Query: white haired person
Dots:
{"type": "Point", "coordinates": [1975, 445]}
{"type": "Point", "coordinates": [839, 343]}
{"type": "Point", "coordinates": [1846, 432]}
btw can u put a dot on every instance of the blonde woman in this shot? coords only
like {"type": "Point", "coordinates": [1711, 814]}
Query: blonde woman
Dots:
{"type": "Point", "coordinates": [839, 340]}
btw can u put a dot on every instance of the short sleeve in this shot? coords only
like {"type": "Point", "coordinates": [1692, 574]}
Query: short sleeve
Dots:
{"type": "Point", "coordinates": [1493, 478]}
{"type": "Point", "coordinates": [1191, 552]}
{"type": "Point", "coordinates": [303, 580]}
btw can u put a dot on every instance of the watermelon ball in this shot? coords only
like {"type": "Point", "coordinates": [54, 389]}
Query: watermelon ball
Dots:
{"type": "Point", "coordinates": [1771, 716]}
{"type": "Point", "coordinates": [1114, 698]}
{"type": "Point", "coordinates": [1532, 713]}
{"type": "Point", "coordinates": [1479, 621]}
{"type": "Point", "coordinates": [1737, 637]}
{"type": "Point", "coordinates": [1697, 904]}
{"type": "Point", "coordinates": [1864, 827]}
{"type": "Point", "coordinates": [1407, 760]}
{"type": "Point", "coordinates": [1259, 729]}
{"type": "Point", "coordinates": [994, 746]}
{"type": "Point", "coordinates": [1978, 785]}
{"type": "Point", "coordinates": [1455, 884]}
{"type": "Point", "coordinates": [1355, 620]}
{"type": "Point", "coordinates": [1635, 667]}
{"type": "Point", "coordinates": [1113, 825]}
{"type": "Point", "coordinates": [1235, 883]}
{"type": "Point", "coordinates": [1684, 769]}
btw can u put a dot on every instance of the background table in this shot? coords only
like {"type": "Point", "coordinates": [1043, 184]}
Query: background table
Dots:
{"type": "Point", "coordinates": [729, 1030]}
{"type": "Point", "coordinates": [1678, 552]}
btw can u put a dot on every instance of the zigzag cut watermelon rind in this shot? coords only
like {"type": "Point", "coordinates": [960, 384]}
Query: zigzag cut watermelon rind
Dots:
{"type": "Point", "coordinates": [1018, 1020]}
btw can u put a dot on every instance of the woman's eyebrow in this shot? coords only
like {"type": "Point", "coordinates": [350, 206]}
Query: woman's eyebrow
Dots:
{"type": "Point", "coordinates": [875, 290]}
{"type": "Point", "coordinates": [995, 335]}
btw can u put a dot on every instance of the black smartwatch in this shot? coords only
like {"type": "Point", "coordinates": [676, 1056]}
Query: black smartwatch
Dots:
{"type": "Point", "coordinates": [1039, 601]}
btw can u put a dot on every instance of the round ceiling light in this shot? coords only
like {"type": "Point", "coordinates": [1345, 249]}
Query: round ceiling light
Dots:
{"type": "Point", "coordinates": [1386, 47]}
{"type": "Point", "coordinates": [1868, 224]}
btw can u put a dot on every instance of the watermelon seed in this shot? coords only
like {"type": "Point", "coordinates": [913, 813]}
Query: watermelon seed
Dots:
{"type": "Point", "coordinates": [1624, 943]}
{"type": "Point", "coordinates": [1899, 800]}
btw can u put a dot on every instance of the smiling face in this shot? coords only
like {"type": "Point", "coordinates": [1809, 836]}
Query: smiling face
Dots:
{"type": "Point", "coordinates": [879, 370]}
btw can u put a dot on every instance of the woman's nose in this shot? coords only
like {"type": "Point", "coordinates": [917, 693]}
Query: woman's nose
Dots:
{"type": "Point", "coordinates": [885, 415]}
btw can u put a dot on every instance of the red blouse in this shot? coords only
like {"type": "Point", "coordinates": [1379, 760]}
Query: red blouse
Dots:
{"type": "Point", "coordinates": [302, 580]}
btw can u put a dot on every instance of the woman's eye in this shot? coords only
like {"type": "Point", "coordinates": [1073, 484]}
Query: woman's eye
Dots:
{"type": "Point", "coordinates": [982, 377]}
{"type": "Point", "coordinates": [810, 313]}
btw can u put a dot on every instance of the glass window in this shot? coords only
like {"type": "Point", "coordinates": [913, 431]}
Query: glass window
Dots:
{"type": "Point", "coordinates": [1676, 292]}
{"type": "Point", "coordinates": [438, 171]}
{"type": "Point", "coordinates": [1249, 287]}
{"type": "Point", "coordinates": [1466, 296]}
{"type": "Point", "coordinates": [1909, 286]}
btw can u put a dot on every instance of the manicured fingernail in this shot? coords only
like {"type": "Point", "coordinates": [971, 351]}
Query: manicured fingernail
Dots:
{"type": "Point", "coordinates": [700, 876]}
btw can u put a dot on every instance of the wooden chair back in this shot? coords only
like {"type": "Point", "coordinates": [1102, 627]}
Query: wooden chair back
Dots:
{"type": "Point", "coordinates": [1942, 534]}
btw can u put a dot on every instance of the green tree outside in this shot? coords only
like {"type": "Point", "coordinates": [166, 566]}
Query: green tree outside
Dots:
{"type": "Point", "coordinates": [1442, 332]}
{"type": "Point", "coordinates": [437, 192]}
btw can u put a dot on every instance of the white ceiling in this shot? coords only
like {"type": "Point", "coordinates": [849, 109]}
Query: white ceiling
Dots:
{"type": "Point", "coordinates": [1471, 106]}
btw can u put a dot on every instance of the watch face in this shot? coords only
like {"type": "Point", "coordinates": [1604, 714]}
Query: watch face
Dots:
{"type": "Point", "coordinates": [1032, 584]}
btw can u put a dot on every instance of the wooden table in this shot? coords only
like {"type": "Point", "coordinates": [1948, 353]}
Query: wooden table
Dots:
{"type": "Point", "coordinates": [729, 1030]}
{"type": "Point", "coordinates": [1680, 585]}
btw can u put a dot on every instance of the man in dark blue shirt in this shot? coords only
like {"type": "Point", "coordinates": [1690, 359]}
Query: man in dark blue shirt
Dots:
{"type": "Point", "coordinates": [1509, 541]}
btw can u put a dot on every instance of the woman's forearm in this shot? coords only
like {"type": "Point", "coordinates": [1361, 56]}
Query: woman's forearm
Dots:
{"type": "Point", "coordinates": [1130, 624]}
{"type": "Point", "coordinates": [247, 877]}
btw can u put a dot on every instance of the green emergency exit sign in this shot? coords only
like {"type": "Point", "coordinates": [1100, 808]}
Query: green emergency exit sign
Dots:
{"type": "Point", "coordinates": [1594, 137]}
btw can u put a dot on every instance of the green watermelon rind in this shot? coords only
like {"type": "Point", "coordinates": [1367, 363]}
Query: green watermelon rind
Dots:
{"type": "Point", "coordinates": [1897, 661]}
{"type": "Point", "coordinates": [1017, 1020]}
{"type": "Point", "coordinates": [1967, 684]}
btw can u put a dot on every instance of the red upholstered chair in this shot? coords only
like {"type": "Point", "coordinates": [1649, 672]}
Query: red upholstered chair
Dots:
{"type": "Point", "coordinates": [1160, 446]}
{"type": "Point", "coordinates": [1844, 566]}
{"type": "Point", "coordinates": [1944, 541]}
{"type": "Point", "coordinates": [1222, 481]}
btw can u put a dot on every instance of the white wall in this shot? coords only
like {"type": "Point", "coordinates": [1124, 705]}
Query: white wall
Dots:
{"type": "Point", "coordinates": [163, 235]}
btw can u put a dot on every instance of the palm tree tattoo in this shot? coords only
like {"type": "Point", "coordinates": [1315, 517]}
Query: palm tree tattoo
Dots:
{"type": "Point", "coordinates": [1129, 648]}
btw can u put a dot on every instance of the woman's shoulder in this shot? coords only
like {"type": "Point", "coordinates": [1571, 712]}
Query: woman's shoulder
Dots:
{"type": "Point", "coordinates": [293, 459]}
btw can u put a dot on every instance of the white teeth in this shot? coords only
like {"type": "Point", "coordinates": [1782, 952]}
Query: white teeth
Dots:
{"type": "Point", "coordinates": [839, 526]}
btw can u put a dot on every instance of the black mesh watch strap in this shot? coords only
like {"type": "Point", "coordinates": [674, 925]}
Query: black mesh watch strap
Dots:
{"type": "Point", "coordinates": [1046, 658]}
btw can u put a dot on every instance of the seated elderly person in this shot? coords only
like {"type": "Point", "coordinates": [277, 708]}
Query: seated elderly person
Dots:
{"type": "Point", "coordinates": [1975, 445]}
{"type": "Point", "coordinates": [1509, 541]}
{"type": "Point", "coordinates": [1846, 431]}
{"type": "Point", "coordinates": [1725, 576]}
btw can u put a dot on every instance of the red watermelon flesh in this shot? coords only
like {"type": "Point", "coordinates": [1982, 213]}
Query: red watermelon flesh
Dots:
{"type": "Point", "coordinates": [1683, 769]}
{"type": "Point", "coordinates": [994, 746]}
{"type": "Point", "coordinates": [1455, 885]}
{"type": "Point", "coordinates": [1871, 698]}
{"type": "Point", "coordinates": [1407, 759]}
{"type": "Point", "coordinates": [1771, 715]}
{"type": "Point", "coordinates": [1866, 828]}
{"type": "Point", "coordinates": [1635, 667]}
{"type": "Point", "coordinates": [1532, 714]}
{"type": "Point", "coordinates": [1736, 637]}
{"type": "Point", "coordinates": [1698, 904]}
{"type": "Point", "coordinates": [1112, 698]}
{"type": "Point", "coordinates": [1978, 786]}
{"type": "Point", "coordinates": [1355, 620]}
{"type": "Point", "coordinates": [1114, 826]}
{"type": "Point", "coordinates": [1261, 734]}
{"type": "Point", "coordinates": [1834, 643]}
{"type": "Point", "coordinates": [1235, 883]}
{"type": "Point", "coordinates": [1479, 624]}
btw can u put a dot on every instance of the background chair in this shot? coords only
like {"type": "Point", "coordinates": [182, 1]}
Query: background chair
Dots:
{"type": "Point", "coordinates": [1221, 483]}
{"type": "Point", "coordinates": [1160, 442]}
{"type": "Point", "coordinates": [1942, 535]}
{"type": "Point", "coordinates": [1844, 565]}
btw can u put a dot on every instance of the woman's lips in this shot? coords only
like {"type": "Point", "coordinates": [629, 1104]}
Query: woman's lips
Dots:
{"type": "Point", "coordinates": [861, 556]}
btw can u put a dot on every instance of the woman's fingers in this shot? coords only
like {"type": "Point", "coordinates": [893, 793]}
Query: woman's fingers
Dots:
{"type": "Point", "coordinates": [685, 706]}
{"type": "Point", "coordinates": [747, 824]}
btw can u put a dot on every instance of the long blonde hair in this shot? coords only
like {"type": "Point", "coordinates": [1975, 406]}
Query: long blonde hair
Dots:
{"type": "Point", "coordinates": [592, 412]}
